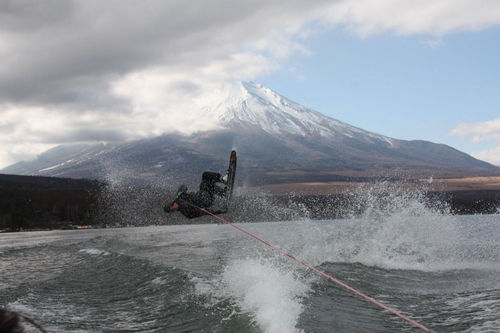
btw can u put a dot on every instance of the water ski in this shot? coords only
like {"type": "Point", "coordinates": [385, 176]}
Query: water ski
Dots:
{"type": "Point", "coordinates": [231, 173]}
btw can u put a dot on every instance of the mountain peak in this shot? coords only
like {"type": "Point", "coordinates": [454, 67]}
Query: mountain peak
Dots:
{"type": "Point", "coordinates": [254, 105]}
{"type": "Point", "coordinates": [251, 105]}
{"type": "Point", "coordinates": [267, 96]}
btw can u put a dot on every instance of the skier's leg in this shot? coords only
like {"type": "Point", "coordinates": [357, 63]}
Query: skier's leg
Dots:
{"type": "Point", "coordinates": [208, 185]}
{"type": "Point", "coordinates": [211, 176]}
{"type": "Point", "coordinates": [208, 180]}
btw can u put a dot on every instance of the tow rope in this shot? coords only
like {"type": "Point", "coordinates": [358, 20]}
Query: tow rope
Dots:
{"type": "Point", "coordinates": [311, 267]}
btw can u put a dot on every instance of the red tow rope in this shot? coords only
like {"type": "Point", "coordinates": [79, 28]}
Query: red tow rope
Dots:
{"type": "Point", "coordinates": [328, 276]}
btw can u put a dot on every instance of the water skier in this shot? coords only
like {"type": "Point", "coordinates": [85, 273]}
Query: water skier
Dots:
{"type": "Point", "coordinates": [187, 203]}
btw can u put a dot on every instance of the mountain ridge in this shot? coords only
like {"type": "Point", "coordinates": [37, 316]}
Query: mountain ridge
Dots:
{"type": "Point", "coordinates": [274, 136]}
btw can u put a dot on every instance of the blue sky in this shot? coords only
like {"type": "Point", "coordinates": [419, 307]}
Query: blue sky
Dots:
{"type": "Point", "coordinates": [72, 72]}
{"type": "Point", "coordinates": [399, 86]}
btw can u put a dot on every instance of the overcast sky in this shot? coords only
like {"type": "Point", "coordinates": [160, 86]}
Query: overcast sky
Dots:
{"type": "Point", "coordinates": [85, 71]}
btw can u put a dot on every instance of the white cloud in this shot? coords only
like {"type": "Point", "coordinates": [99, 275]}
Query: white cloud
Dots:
{"type": "Point", "coordinates": [164, 100]}
{"type": "Point", "coordinates": [79, 70]}
{"type": "Point", "coordinates": [492, 155]}
{"type": "Point", "coordinates": [480, 132]}
{"type": "Point", "coordinates": [433, 43]}
{"type": "Point", "coordinates": [433, 17]}
{"type": "Point", "coordinates": [483, 131]}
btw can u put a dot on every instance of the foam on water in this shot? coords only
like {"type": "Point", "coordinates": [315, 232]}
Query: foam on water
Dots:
{"type": "Point", "coordinates": [272, 296]}
{"type": "Point", "coordinates": [95, 252]}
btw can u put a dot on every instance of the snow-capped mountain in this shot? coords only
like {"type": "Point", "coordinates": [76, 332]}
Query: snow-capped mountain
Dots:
{"type": "Point", "coordinates": [278, 140]}
{"type": "Point", "coordinates": [252, 105]}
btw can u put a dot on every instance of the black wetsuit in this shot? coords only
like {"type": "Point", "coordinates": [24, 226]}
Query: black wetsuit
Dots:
{"type": "Point", "coordinates": [204, 198]}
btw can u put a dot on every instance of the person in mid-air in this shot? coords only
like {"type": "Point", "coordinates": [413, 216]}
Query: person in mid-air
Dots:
{"type": "Point", "coordinates": [188, 203]}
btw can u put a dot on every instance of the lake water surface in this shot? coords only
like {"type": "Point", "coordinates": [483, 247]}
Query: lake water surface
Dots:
{"type": "Point", "coordinates": [441, 270]}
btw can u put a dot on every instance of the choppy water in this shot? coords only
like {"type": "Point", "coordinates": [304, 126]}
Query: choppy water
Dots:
{"type": "Point", "coordinates": [441, 270]}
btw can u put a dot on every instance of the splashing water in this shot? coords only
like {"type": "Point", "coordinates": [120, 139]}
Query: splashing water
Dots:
{"type": "Point", "coordinates": [403, 229]}
{"type": "Point", "coordinates": [270, 294]}
{"type": "Point", "coordinates": [397, 229]}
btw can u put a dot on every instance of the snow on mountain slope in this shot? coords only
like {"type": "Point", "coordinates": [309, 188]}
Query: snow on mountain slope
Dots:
{"type": "Point", "coordinates": [55, 160]}
{"type": "Point", "coordinates": [252, 104]}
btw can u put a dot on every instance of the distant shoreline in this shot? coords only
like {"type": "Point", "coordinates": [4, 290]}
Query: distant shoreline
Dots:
{"type": "Point", "coordinates": [339, 187]}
